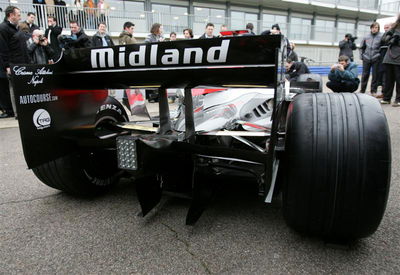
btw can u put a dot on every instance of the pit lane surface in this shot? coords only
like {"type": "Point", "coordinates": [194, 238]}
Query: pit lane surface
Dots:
{"type": "Point", "coordinates": [45, 231]}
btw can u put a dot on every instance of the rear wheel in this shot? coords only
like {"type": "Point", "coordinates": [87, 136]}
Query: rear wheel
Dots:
{"type": "Point", "coordinates": [337, 165]}
{"type": "Point", "coordinates": [89, 170]}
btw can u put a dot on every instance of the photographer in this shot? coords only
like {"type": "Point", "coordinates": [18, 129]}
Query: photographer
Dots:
{"type": "Point", "coordinates": [343, 77]}
{"type": "Point", "coordinates": [39, 49]}
{"type": "Point", "coordinates": [347, 46]}
{"type": "Point", "coordinates": [392, 63]}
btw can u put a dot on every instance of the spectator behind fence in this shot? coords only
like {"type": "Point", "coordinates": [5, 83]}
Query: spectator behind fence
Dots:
{"type": "Point", "coordinates": [126, 36]}
{"type": "Point", "coordinates": [369, 54]}
{"type": "Point", "coordinates": [61, 12]}
{"type": "Point", "coordinates": [208, 31]}
{"type": "Point", "coordinates": [77, 39]}
{"type": "Point", "coordinates": [391, 62]}
{"type": "Point", "coordinates": [20, 54]}
{"type": "Point", "coordinates": [39, 6]}
{"type": "Point", "coordinates": [39, 49]}
{"type": "Point", "coordinates": [343, 77]}
{"type": "Point", "coordinates": [7, 31]}
{"type": "Point", "coordinates": [50, 8]}
{"type": "Point", "coordinates": [30, 20]}
{"type": "Point", "coordinates": [102, 9]}
{"type": "Point", "coordinates": [188, 33]}
{"type": "Point", "coordinates": [295, 69]}
{"type": "Point", "coordinates": [250, 28]}
{"type": "Point", "coordinates": [77, 13]}
{"type": "Point", "coordinates": [172, 36]}
{"type": "Point", "coordinates": [89, 8]}
{"type": "Point", "coordinates": [101, 38]}
{"type": "Point", "coordinates": [293, 55]}
{"type": "Point", "coordinates": [347, 46]}
{"type": "Point", "coordinates": [156, 34]}
{"type": "Point", "coordinates": [52, 33]}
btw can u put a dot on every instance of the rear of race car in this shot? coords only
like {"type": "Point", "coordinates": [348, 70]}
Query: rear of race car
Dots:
{"type": "Point", "coordinates": [234, 115]}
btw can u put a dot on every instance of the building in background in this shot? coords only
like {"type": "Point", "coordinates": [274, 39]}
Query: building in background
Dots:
{"type": "Point", "coordinates": [315, 26]}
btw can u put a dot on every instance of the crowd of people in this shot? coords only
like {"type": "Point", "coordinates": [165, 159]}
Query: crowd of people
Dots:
{"type": "Point", "coordinates": [24, 42]}
{"type": "Point", "coordinates": [380, 56]}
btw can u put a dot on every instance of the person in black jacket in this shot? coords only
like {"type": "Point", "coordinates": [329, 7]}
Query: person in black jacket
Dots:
{"type": "Point", "coordinates": [18, 42]}
{"type": "Point", "coordinates": [347, 46]}
{"type": "Point", "coordinates": [101, 38]}
{"type": "Point", "coordinates": [77, 39]}
{"type": "Point", "coordinates": [295, 69]}
{"type": "Point", "coordinates": [391, 61]}
{"type": "Point", "coordinates": [7, 31]}
{"type": "Point", "coordinates": [52, 33]}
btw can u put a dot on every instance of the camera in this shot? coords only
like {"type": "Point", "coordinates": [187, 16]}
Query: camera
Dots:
{"type": "Point", "coordinates": [42, 38]}
{"type": "Point", "coordinates": [351, 37]}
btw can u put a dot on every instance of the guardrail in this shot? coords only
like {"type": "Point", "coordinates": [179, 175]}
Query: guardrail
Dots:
{"type": "Point", "coordinates": [89, 18]}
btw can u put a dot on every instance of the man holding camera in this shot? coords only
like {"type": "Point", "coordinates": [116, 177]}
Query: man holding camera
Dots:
{"type": "Point", "coordinates": [347, 46]}
{"type": "Point", "coordinates": [343, 77]}
{"type": "Point", "coordinates": [39, 49]}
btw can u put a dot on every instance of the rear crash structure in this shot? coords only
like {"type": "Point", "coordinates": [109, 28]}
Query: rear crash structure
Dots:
{"type": "Point", "coordinates": [235, 115]}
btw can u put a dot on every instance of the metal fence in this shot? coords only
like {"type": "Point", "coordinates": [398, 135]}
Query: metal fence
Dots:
{"type": "Point", "coordinates": [89, 18]}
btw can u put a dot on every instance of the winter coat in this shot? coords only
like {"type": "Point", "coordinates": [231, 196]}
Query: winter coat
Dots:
{"type": "Point", "coordinates": [392, 39]}
{"type": "Point", "coordinates": [125, 38]}
{"type": "Point", "coordinates": [7, 31]}
{"type": "Point", "coordinates": [2, 72]}
{"type": "Point", "coordinates": [369, 47]}
{"type": "Point", "coordinates": [78, 40]}
{"type": "Point", "coordinates": [18, 42]}
{"type": "Point", "coordinates": [39, 54]}
{"type": "Point", "coordinates": [346, 48]}
{"type": "Point", "coordinates": [32, 27]}
{"type": "Point", "coordinates": [52, 34]}
{"type": "Point", "coordinates": [97, 40]}
{"type": "Point", "coordinates": [349, 74]}
{"type": "Point", "coordinates": [153, 38]}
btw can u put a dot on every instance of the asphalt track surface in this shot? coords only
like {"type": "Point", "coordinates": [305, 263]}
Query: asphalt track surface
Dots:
{"type": "Point", "coordinates": [44, 231]}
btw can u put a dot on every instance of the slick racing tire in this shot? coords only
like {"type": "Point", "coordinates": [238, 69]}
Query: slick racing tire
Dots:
{"type": "Point", "coordinates": [88, 171]}
{"type": "Point", "coordinates": [337, 165]}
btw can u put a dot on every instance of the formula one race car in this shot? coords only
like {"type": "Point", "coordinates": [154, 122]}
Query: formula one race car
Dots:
{"type": "Point", "coordinates": [328, 154]}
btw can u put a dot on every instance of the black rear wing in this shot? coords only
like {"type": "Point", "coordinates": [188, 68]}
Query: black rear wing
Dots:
{"type": "Point", "coordinates": [55, 103]}
{"type": "Point", "coordinates": [233, 61]}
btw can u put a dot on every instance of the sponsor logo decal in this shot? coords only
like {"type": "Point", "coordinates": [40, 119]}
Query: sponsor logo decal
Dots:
{"type": "Point", "coordinates": [107, 58]}
{"type": "Point", "coordinates": [37, 98]}
{"type": "Point", "coordinates": [37, 76]}
{"type": "Point", "coordinates": [41, 119]}
{"type": "Point", "coordinates": [109, 107]}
